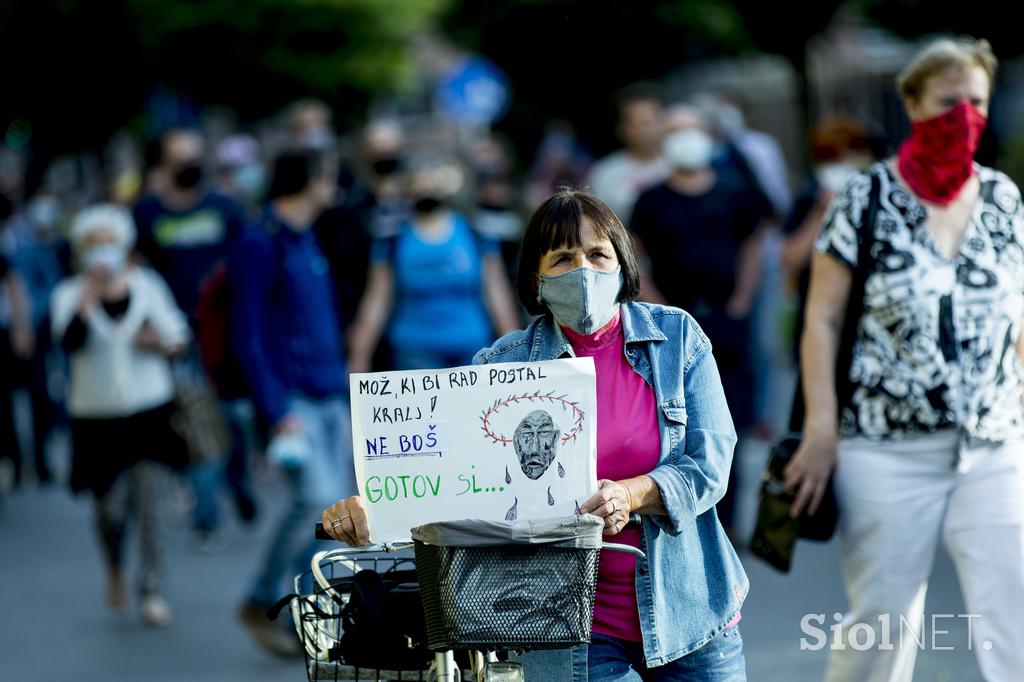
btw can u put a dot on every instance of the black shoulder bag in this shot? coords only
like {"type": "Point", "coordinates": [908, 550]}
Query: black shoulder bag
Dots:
{"type": "Point", "coordinates": [776, 532]}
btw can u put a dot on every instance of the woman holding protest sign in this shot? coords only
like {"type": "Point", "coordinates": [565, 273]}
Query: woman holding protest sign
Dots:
{"type": "Point", "coordinates": [664, 448]}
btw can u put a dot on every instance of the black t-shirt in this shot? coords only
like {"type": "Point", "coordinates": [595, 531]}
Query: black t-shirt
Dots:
{"type": "Point", "coordinates": [733, 167]}
{"type": "Point", "coordinates": [694, 241]}
{"type": "Point", "coordinates": [185, 246]}
{"type": "Point", "coordinates": [345, 242]}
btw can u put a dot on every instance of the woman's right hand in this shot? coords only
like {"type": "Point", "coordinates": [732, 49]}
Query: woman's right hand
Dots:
{"type": "Point", "coordinates": [345, 520]}
{"type": "Point", "coordinates": [808, 473]}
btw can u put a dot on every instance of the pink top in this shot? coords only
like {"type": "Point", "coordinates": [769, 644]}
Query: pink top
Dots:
{"type": "Point", "coordinates": [628, 445]}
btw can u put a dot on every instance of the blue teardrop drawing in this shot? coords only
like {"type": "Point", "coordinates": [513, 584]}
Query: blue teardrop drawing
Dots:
{"type": "Point", "coordinates": [512, 513]}
{"type": "Point", "coordinates": [561, 470]}
{"type": "Point", "coordinates": [508, 478]}
{"type": "Point", "coordinates": [551, 500]}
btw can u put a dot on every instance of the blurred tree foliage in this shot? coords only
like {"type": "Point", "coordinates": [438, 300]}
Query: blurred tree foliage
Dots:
{"type": "Point", "coordinates": [567, 58]}
{"type": "Point", "coordinates": [987, 19]}
{"type": "Point", "coordinates": [261, 52]}
{"type": "Point", "coordinates": [78, 70]}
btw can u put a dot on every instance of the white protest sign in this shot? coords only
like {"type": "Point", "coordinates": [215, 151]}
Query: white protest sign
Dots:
{"type": "Point", "coordinates": [502, 441]}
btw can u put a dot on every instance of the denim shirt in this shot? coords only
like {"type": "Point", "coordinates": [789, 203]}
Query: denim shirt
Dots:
{"type": "Point", "coordinates": [692, 583]}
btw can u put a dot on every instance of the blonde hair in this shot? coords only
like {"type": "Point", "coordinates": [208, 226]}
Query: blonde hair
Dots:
{"type": "Point", "coordinates": [942, 55]}
{"type": "Point", "coordinates": [115, 219]}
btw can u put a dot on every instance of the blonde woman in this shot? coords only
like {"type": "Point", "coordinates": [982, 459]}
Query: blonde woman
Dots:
{"type": "Point", "coordinates": [928, 444]}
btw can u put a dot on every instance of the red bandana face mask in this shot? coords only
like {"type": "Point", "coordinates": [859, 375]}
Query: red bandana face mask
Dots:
{"type": "Point", "coordinates": [938, 157]}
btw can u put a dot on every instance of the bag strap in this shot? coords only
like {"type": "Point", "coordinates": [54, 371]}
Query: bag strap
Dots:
{"type": "Point", "coordinates": [854, 307]}
{"type": "Point", "coordinates": [855, 301]}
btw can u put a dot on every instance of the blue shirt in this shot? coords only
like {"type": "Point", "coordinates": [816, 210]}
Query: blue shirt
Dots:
{"type": "Point", "coordinates": [184, 246]}
{"type": "Point", "coordinates": [284, 323]}
{"type": "Point", "coordinates": [439, 303]}
{"type": "Point", "coordinates": [691, 584]}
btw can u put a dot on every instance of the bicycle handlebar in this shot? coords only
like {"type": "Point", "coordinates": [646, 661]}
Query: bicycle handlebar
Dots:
{"type": "Point", "coordinates": [633, 522]}
{"type": "Point", "coordinates": [321, 533]}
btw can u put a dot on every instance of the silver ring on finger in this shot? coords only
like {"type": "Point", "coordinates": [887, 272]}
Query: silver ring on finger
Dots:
{"type": "Point", "coordinates": [337, 522]}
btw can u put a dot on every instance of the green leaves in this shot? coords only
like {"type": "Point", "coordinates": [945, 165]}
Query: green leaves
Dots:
{"type": "Point", "coordinates": [319, 47]}
{"type": "Point", "coordinates": [717, 22]}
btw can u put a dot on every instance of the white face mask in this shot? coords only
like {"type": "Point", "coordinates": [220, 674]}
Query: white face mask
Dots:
{"type": "Point", "coordinates": [834, 176]}
{"type": "Point", "coordinates": [689, 149]}
{"type": "Point", "coordinates": [731, 120]}
{"type": "Point", "coordinates": [111, 257]}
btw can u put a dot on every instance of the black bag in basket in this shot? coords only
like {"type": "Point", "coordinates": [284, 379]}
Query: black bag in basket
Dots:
{"type": "Point", "coordinates": [383, 622]}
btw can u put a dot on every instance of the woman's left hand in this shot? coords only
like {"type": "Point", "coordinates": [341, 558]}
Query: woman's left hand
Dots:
{"type": "Point", "coordinates": [611, 502]}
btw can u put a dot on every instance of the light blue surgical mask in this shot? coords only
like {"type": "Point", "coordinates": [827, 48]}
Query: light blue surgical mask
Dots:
{"type": "Point", "coordinates": [249, 178]}
{"type": "Point", "coordinates": [111, 257]}
{"type": "Point", "coordinates": [583, 299]}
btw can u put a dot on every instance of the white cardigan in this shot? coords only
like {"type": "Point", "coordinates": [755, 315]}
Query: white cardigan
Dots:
{"type": "Point", "coordinates": [109, 376]}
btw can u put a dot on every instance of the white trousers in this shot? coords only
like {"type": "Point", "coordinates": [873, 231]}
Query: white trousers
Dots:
{"type": "Point", "coordinates": [895, 501]}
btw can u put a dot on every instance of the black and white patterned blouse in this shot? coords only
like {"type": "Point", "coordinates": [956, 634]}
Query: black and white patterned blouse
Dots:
{"type": "Point", "coordinates": [935, 348]}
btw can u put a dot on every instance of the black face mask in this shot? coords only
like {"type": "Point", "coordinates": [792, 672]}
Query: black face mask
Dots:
{"type": "Point", "coordinates": [187, 177]}
{"type": "Point", "coordinates": [493, 206]}
{"type": "Point", "coordinates": [386, 166]}
{"type": "Point", "coordinates": [427, 204]}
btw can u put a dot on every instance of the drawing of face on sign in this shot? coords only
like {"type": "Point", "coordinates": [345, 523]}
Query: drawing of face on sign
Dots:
{"type": "Point", "coordinates": [536, 443]}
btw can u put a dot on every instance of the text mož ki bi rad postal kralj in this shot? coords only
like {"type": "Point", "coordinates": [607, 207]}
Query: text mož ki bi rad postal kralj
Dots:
{"type": "Point", "coordinates": [495, 442]}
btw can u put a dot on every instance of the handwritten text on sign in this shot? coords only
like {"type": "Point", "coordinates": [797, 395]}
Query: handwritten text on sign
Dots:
{"type": "Point", "coordinates": [503, 441]}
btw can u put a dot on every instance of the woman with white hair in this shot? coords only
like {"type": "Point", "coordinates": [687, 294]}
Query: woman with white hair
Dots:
{"type": "Point", "coordinates": [119, 324]}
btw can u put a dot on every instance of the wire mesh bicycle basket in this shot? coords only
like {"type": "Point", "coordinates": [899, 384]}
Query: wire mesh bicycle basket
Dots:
{"type": "Point", "coordinates": [502, 585]}
{"type": "Point", "coordinates": [357, 592]}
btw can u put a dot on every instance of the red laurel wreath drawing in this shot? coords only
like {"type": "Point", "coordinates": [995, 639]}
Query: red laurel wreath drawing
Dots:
{"type": "Point", "coordinates": [578, 416]}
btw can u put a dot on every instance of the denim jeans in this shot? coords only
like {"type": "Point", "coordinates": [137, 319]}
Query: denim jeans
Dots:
{"type": "Point", "coordinates": [608, 659]}
{"type": "Point", "coordinates": [615, 660]}
{"type": "Point", "coordinates": [205, 479]}
{"type": "Point", "coordinates": [208, 478]}
{"type": "Point", "coordinates": [326, 477]}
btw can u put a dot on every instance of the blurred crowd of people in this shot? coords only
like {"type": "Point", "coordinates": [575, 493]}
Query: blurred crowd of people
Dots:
{"type": "Point", "coordinates": [195, 303]}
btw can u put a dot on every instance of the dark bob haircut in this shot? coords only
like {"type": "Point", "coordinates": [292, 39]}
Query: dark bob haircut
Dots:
{"type": "Point", "coordinates": [294, 170]}
{"type": "Point", "coordinates": [558, 221]}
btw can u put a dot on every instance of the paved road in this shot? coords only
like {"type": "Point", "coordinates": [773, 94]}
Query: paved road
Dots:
{"type": "Point", "coordinates": [55, 627]}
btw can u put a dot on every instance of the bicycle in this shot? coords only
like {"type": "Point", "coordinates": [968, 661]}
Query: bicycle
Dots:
{"type": "Point", "coordinates": [459, 595]}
